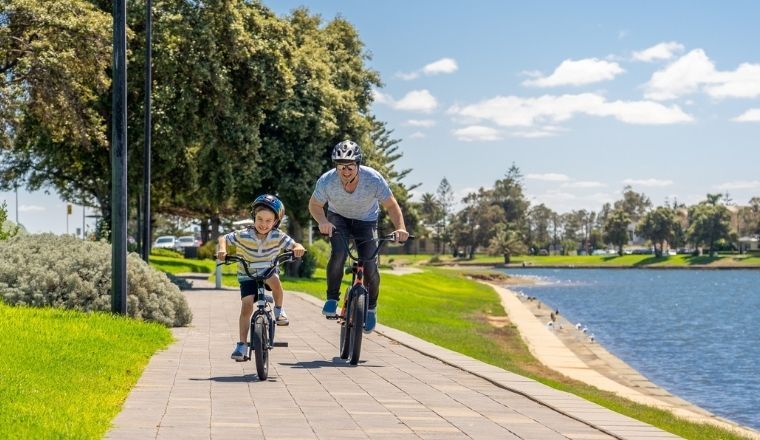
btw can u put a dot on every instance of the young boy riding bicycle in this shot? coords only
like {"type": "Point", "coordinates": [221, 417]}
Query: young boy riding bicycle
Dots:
{"type": "Point", "coordinates": [259, 243]}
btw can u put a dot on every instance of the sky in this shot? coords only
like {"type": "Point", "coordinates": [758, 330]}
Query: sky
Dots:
{"type": "Point", "coordinates": [584, 97]}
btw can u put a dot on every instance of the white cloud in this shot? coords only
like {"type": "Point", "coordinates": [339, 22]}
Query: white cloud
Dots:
{"type": "Point", "coordinates": [662, 51]}
{"type": "Point", "coordinates": [739, 184]}
{"type": "Point", "coordinates": [584, 184]}
{"type": "Point", "coordinates": [751, 115]}
{"type": "Point", "coordinates": [654, 183]}
{"type": "Point", "coordinates": [417, 135]}
{"type": "Point", "coordinates": [548, 177]}
{"type": "Point", "coordinates": [514, 111]}
{"type": "Point", "coordinates": [477, 133]}
{"type": "Point", "coordinates": [683, 76]}
{"type": "Point", "coordinates": [744, 82]}
{"type": "Point", "coordinates": [427, 123]}
{"type": "Point", "coordinates": [533, 134]}
{"type": "Point", "coordinates": [381, 98]}
{"type": "Point", "coordinates": [695, 72]}
{"type": "Point", "coordinates": [416, 101]}
{"type": "Point", "coordinates": [576, 73]}
{"type": "Point", "coordinates": [442, 66]}
{"type": "Point", "coordinates": [31, 208]}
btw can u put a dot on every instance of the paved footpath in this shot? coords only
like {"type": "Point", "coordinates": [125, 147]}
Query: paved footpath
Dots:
{"type": "Point", "coordinates": [403, 388]}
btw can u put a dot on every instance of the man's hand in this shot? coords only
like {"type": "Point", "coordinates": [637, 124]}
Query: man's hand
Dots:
{"type": "Point", "coordinates": [298, 250]}
{"type": "Point", "coordinates": [326, 228]}
{"type": "Point", "coordinates": [401, 235]}
{"type": "Point", "coordinates": [220, 255]}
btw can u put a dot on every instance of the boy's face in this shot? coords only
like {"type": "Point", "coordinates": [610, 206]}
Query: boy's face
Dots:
{"type": "Point", "coordinates": [263, 221]}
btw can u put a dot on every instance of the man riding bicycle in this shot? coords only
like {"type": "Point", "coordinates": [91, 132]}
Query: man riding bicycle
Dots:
{"type": "Point", "coordinates": [353, 194]}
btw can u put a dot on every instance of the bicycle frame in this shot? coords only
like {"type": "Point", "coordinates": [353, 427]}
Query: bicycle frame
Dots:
{"type": "Point", "coordinates": [263, 310]}
{"type": "Point", "coordinates": [352, 320]}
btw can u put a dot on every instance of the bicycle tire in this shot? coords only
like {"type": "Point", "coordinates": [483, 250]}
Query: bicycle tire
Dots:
{"type": "Point", "coordinates": [357, 326]}
{"type": "Point", "coordinates": [345, 341]}
{"type": "Point", "coordinates": [259, 336]}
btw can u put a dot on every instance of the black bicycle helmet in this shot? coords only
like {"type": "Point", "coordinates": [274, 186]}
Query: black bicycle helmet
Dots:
{"type": "Point", "coordinates": [347, 151]}
{"type": "Point", "coordinates": [271, 202]}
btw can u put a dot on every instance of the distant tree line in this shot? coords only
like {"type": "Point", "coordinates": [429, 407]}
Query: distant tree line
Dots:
{"type": "Point", "coordinates": [501, 221]}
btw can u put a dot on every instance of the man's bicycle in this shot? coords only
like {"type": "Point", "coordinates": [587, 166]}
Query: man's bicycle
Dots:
{"type": "Point", "coordinates": [353, 314]}
{"type": "Point", "coordinates": [262, 320]}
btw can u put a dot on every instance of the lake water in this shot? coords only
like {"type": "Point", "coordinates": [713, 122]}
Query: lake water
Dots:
{"type": "Point", "coordinates": [692, 332]}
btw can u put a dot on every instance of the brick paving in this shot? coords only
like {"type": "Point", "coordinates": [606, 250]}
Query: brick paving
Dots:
{"type": "Point", "coordinates": [403, 388]}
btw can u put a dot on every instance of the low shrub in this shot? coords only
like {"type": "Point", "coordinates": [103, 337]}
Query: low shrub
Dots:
{"type": "Point", "coordinates": [164, 252]}
{"type": "Point", "coordinates": [46, 270]}
{"type": "Point", "coordinates": [320, 250]}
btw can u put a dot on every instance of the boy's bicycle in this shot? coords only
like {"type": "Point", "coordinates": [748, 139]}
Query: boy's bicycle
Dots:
{"type": "Point", "coordinates": [353, 314]}
{"type": "Point", "coordinates": [262, 320]}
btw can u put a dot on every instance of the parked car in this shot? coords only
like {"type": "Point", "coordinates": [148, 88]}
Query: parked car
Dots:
{"type": "Point", "coordinates": [166, 242]}
{"type": "Point", "coordinates": [187, 241]}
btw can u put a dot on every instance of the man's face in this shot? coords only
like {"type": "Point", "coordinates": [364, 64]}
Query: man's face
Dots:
{"type": "Point", "coordinates": [347, 170]}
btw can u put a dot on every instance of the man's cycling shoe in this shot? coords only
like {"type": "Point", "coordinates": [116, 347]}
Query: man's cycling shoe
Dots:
{"type": "Point", "coordinates": [240, 352]}
{"type": "Point", "coordinates": [371, 321]}
{"type": "Point", "coordinates": [331, 308]}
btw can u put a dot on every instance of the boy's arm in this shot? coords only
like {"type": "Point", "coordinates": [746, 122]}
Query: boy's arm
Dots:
{"type": "Point", "coordinates": [298, 249]}
{"type": "Point", "coordinates": [221, 250]}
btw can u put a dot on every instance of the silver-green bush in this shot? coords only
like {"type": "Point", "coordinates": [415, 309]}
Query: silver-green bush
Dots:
{"type": "Point", "coordinates": [49, 270]}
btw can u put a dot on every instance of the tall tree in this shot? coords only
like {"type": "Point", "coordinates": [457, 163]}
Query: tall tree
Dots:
{"type": "Point", "coordinates": [659, 226]}
{"type": "Point", "coordinates": [616, 229]}
{"type": "Point", "coordinates": [709, 222]}
{"type": "Point", "coordinates": [633, 203]}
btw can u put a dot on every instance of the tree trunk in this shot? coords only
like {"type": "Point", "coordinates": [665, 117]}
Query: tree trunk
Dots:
{"type": "Point", "coordinates": [204, 230]}
{"type": "Point", "coordinates": [215, 222]}
{"type": "Point", "coordinates": [507, 258]}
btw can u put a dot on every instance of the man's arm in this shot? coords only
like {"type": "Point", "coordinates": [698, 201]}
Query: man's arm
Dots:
{"type": "Point", "coordinates": [397, 218]}
{"type": "Point", "coordinates": [317, 211]}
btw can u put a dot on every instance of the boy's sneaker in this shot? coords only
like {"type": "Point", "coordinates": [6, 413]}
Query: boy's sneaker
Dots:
{"type": "Point", "coordinates": [280, 317]}
{"type": "Point", "coordinates": [240, 352]}
{"type": "Point", "coordinates": [371, 321]}
{"type": "Point", "coordinates": [330, 308]}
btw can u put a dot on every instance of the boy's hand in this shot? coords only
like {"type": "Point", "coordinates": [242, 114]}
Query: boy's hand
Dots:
{"type": "Point", "coordinates": [298, 250]}
{"type": "Point", "coordinates": [220, 255]}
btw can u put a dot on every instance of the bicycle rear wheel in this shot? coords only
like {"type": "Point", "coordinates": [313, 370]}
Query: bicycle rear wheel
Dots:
{"type": "Point", "coordinates": [357, 325]}
{"type": "Point", "coordinates": [259, 342]}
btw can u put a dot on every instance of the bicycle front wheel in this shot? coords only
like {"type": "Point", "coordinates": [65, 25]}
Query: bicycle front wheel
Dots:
{"type": "Point", "coordinates": [259, 342]}
{"type": "Point", "coordinates": [357, 325]}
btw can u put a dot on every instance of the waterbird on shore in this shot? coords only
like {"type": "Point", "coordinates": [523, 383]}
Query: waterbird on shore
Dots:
{"type": "Point", "coordinates": [578, 326]}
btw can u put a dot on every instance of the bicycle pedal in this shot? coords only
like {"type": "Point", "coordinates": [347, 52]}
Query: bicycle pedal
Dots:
{"type": "Point", "coordinates": [332, 317]}
{"type": "Point", "coordinates": [280, 344]}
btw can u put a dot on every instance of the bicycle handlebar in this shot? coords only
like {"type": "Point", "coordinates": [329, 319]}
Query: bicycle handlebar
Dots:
{"type": "Point", "coordinates": [380, 240]}
{"type": "Point", "coordinates": [269, 267]}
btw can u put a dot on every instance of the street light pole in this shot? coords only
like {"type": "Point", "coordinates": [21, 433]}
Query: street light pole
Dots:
{"type": "Point", "coordinates": [16, 188]}
{"type": "Point", "coordinates": [146, 234]}
{"type": "Point", "coordinates": [119, 161]}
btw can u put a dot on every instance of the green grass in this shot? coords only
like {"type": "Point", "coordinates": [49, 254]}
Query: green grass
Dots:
{"type": "Point", "coordinates": [443, 307]}
{"type": "Point", "coordinates": [65, 374]}
{"type": "Point", "coordinates": [181, 265]}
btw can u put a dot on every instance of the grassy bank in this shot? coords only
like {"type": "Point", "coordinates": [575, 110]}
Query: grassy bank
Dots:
{"type": "Point", "coordinates": [65, 374]}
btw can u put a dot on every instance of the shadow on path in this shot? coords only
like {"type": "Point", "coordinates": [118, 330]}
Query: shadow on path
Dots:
{"type": "Point", "coordinates": [336, 362]}
{"type": "Point", "coordinates": [234, 379]}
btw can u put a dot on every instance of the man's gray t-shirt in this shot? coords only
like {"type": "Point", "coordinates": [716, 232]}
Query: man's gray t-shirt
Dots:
{"type": "Point", "coordinates": [362, 204]}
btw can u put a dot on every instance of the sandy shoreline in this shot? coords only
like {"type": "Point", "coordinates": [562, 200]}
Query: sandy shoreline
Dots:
{"type": "Point", "coordinates": [569, 351]}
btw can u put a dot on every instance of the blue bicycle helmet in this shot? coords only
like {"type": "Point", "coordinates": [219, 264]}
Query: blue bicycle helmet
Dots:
{"type": "Point", "coordinates": [272, 203]}
{"type": "Point", "coordinates": [347, 151]}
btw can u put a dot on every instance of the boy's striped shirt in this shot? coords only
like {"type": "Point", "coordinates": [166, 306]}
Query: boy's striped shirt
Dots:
{"type": "Point", "coordinates": [250, 247]}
